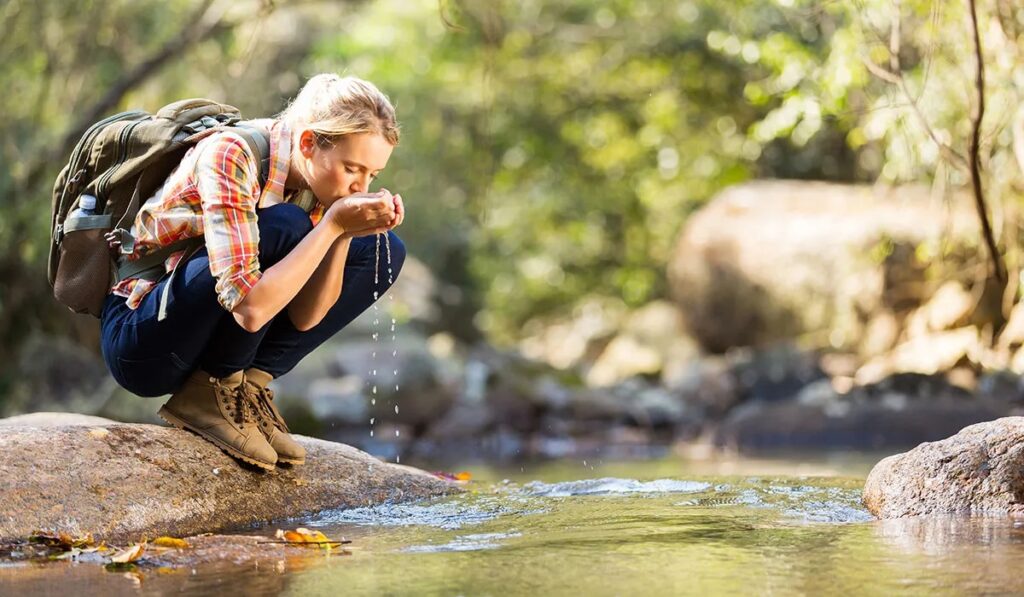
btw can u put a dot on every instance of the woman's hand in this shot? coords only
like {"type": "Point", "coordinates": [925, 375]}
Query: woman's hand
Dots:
{"type": "Point", "coordinates": [361, 214]}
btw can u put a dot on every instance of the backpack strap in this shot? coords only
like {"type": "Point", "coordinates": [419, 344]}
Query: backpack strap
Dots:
{"type": "Point", "coordinates": [150, 266]}
{"type": "Point", "coordinates": [257, 140]}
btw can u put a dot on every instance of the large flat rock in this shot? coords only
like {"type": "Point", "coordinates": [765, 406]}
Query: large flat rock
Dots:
{"type": "Point", "coordinates": [124, 481]}
{"type": "Point", "coordinates": [980, 470]}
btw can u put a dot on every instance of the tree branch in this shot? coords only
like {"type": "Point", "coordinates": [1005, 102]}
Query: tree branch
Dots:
{"type": "Point", "coordinates": [192, 32]}
{"type": "Point", "coordinates": [978, 113]}
{"type": "Point", "coordinates": [895, 77]}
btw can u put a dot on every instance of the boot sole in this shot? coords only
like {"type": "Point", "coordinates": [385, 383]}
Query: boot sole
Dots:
{"type": "Point", "coordinates": [292, 461]}
{"type": "Point", "coordinates": [230, 451]}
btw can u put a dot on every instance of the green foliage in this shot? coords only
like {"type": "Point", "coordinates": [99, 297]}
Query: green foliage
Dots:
{"type": "Point", "coordinates": [551, 150]}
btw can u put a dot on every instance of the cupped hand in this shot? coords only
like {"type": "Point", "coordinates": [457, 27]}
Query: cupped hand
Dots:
{"type": "Point", "coordinates": [361, 214]}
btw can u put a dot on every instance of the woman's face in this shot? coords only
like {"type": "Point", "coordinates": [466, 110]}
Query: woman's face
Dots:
{"type": "Point", "coordinates": [346, 167]}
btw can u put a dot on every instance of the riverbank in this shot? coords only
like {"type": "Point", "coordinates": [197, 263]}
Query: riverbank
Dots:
{"type": "Point", "coordinates": [121, 482]}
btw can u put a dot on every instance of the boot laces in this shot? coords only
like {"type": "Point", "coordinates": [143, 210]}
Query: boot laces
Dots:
{"type": "Point", "coordinates": [240, 405]}
{"type": "Point", "coordinates": [263, 399]}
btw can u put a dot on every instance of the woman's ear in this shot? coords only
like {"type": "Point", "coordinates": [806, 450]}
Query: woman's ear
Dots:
{"type": "Point", "coordinates": [307, 142]}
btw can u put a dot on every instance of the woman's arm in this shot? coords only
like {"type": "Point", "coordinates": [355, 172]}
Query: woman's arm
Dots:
{"type": "Point", "coordinates": [306, 273]}
{"type": "Point", "coordinates": [322, 290]}
{"type": "Point", "coordinates": [283, 281]}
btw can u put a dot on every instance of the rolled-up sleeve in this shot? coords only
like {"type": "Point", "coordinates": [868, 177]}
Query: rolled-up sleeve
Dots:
{"type": "Point", "coordinates": [226, 178]}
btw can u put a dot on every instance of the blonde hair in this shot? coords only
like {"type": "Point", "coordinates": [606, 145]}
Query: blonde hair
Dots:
{"type": "Point", "coordinates": [333, 106]}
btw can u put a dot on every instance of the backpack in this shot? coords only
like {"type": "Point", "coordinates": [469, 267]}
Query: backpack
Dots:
{"type": "Point", "coordinates": [122, 160]}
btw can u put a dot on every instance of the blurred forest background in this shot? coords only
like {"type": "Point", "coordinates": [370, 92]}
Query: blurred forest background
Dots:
{"type": "Point", "coordinates": [555, 158]}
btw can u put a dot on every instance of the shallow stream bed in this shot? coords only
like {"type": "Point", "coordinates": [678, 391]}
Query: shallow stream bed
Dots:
{"type": "Point", "coordinates": [779, 526]}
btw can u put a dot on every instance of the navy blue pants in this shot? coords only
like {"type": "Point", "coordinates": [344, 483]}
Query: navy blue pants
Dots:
{"type": "Point", "coordinates": [153, 358]}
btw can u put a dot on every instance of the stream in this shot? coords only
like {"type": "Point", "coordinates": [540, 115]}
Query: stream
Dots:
{"type": "Point", "coordinates": [669, 526]}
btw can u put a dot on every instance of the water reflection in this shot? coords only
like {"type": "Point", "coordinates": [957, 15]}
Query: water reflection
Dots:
{"type": "Point", "coordinates": [614, 533]}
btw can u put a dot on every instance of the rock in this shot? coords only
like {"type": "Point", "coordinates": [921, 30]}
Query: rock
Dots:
{"type": "Point", "coordinates": [338, 400]}
{"type": "Point", "coordinates": [978, 470]}
{"type": "Point", "coordinates": [773, 373]}
{"type": "Point", "coordinates": [925, 354]}
{"type": "Point", "coordinates": [51, 419]}
{"type": "Point", "coordinates": [708, 384]}
{"type": "Point", "coordinates": [649, 406]}
{"type": "Point", "coordinates": [336, 385]}
{"type": "Point", "coordinates": [850, 422]}
{"type": "Point", "coordinates": [169, 571]}
{"type": "Point", "coordinates": [623, 358]}
{"type": "Point", "coordinates": [1002, 385]}
{"type": "Point", "coordinates": [1012, 336]}
{"type": "Point", "coordinates": [566, 342]}
{"type": "Point", "coordinates": [55, 374]}
{"type": "Point", "coordinates": [770, 260]}
{"type": "Point", "coordinates": [950, 307]}
{"type": "Point", "coordinates": [121, 481]}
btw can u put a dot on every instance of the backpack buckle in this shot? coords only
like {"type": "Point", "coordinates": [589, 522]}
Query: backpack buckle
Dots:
{"type": "Point", "coordinates": [119, 237]}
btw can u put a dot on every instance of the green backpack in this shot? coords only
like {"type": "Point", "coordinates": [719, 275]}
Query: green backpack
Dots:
{"type": "Point", "coordinates": [122, 160]}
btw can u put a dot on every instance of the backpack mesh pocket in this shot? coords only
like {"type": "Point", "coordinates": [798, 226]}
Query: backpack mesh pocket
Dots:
{"type": "Point", "coordinates": [86, 269]}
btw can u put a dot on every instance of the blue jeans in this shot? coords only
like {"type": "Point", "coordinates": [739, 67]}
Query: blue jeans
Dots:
{"type": "Point", "coordinates": [153, 358]}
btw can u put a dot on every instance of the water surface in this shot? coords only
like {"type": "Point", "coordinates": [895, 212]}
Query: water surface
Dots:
{"type": "Point", "coordinates": [658, 527]}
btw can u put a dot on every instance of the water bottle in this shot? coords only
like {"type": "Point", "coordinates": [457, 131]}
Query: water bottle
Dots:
{"type": "Point", "coordinates": [86, 207]}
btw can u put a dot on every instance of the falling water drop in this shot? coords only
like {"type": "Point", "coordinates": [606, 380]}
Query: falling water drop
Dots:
{"type": "Point", "coordinates": [396, 409]}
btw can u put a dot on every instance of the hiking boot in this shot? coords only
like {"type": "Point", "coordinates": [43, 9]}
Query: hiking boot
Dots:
{"type": "Point", "coordinates": [270, 420]}
{"type": "Point", "coordinates": [219, 411]}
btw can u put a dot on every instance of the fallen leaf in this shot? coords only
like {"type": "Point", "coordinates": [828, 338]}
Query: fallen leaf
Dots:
{"type": "Point", "coordinates": [461, 477]}
{"type": "Point", "coordinates": [302, 536]}
{"type": "Point", "coordinates": [170, 542]}
{"type": "Point", "coordinates": [129, 555]}
{"type": "Point", "coordinates": [61, 539]}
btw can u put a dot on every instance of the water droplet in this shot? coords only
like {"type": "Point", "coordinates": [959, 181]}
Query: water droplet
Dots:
{"type": "Point", "coordinates": [374, 389]}
{"type": "Point", "coordinates": [396, 387]}
{"type": "Point", "coordinates": [373, 401]}
{"type": "Point", "coordinates": [376, 295]}
{"type": "Point", "coordinates": [394, 352]}
{"type": "Point", "coordinates": [375, 372]}
{"type": "Point", "coordinates": [396, 409]}
{"type": "Point", "coordinates": [398, 459]}
{"type": "Point", "coordinates": [374, 355]}
{"type": "Point", "coordinates": [396, 371]}
{"type": "Point", "coordinates": [371, 433]}
{"type": "Point", "coordinates": [397, 433]}
{"type": "Point", "coordinates": [372, 419]}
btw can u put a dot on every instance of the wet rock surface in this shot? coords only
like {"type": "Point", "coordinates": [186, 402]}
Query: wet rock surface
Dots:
{"type": "Point", "coordinates": [123, 481]}
{"type": "Point", "coordinates": [980, 470]}
{"type": "Point", "coordinates": [261, 562]}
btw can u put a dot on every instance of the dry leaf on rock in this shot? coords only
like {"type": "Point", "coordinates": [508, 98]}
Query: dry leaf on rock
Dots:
{"type": "Point", "coordinates": [461, 477]}
{"type": "Point", "coordinates": [129, 555]}
{"type": "Point", "coordinates": [170, 542]}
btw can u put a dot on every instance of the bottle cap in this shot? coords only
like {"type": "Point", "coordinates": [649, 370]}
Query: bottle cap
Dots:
{"type": "Point", "coordinates": [87, 202]}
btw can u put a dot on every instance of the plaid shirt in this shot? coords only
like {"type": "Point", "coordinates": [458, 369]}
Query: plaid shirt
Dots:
{"type": "Point", "coordinates": [214, 192]}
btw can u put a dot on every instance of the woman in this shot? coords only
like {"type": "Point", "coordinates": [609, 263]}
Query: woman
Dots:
{"type": "Point", "coordinates": [284, 267]}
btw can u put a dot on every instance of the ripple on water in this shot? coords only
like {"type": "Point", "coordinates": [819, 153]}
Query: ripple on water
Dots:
{"type": "Point", "coordinates": [611, 485]}
{"type": "Point", "coordinates": [466, 543]}
{"type": "Point", "coordinates": [451, 514]}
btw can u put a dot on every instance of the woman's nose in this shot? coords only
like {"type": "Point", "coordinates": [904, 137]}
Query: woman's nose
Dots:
{"type": "Point", "coordinates": [361, 184]}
